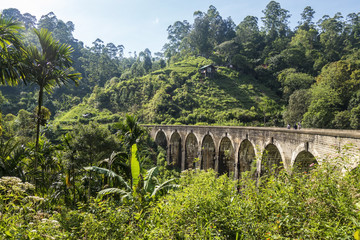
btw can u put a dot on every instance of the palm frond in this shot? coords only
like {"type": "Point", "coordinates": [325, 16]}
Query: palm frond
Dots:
{"type": "Point", "coordinates": [10, 52]}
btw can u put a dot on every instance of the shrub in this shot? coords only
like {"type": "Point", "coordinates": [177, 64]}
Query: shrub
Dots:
{"type": "Point", "coordinates": [323, 204]}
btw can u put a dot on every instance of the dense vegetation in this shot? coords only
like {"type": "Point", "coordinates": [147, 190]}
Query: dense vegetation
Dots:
{"type": "Point", "coordinates": [307, 74]}
{"type": "Point", "coordinates": [74, 164]}
{"type": "Point", "coordinates": [316, 205]}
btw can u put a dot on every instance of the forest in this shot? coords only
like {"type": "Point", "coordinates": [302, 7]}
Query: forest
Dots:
{"type": "Point", "coordinates": [77, 163]}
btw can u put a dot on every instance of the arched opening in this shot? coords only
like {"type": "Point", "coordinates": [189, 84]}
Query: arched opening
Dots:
{"type": "Point", "coordinates": [208, 153]}
{"type": "Point", "coordinates": [175, 150]}
{"type": "Point", "coordinates": [246, 156]}
{"type": "Point", "coordinates": [191, 151]}
{"type": "Point", "coordinates": [160, 140]}
{"type": "Point", "coordinates": [226, 157]}
{"type": "Point", "coordinates": [304, 162]}
{"type": "Point", "coordinates": [271, 162]}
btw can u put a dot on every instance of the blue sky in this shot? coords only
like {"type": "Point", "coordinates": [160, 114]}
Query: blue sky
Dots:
{"type": "Point", "coordinates": [140, 24]}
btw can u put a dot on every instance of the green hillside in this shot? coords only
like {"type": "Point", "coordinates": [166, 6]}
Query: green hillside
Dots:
{"type": "Point", "coordinates": [178, 94]}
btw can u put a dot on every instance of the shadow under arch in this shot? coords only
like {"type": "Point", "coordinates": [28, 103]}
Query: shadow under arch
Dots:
{"type": "Point", "coordinates": [226, 157]}
{"type": "Point", "coordinates": [208, 153]}
{"type": "Point", "coordinates": [175, 150]}
{"type": "Point", "coordinates": [246, 156]}
{"type": "Point", "coordinates": [191, 151]}
{"type": "Point", "coordinates": [161, 140]}
{"type": "Point", "coordinates": [271, 162]}
{"type": "Point", "coordinates": [304, 162]}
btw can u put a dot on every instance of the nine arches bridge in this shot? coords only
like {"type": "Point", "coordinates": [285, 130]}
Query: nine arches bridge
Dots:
{"type": "Point", "coordinates": [229, 149]}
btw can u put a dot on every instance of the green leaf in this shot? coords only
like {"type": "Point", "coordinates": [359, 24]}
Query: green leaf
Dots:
{"type": "Point", "coordinates": [164, 186]}
{"type": "Point", "coordinates": [149, 183]}
{"type": "Point", "coordinates": [108, 173]}
{"type": "Point", "coordinates": [112, 191]}
{"type": "Point", "coordinates": [357, 235]}
{"type": "Point", "coordinates": [135, 165]}
{"type": "Point", "coordinates": [8, 233]}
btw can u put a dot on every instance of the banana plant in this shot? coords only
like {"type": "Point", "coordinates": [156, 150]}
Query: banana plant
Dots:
{"type": "Point", "coordinates": [142, 189]}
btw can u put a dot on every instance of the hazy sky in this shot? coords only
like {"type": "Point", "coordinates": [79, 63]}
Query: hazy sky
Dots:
{"type": "Point", "coordinates": [140, 24]}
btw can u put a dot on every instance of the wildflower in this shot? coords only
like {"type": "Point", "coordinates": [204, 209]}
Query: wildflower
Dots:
{"type": "Point", "coordinates": [311, 165]}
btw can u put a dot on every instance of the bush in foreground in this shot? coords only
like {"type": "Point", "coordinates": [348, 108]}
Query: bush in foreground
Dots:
{"type": "Point", "coordinates": [322, 204]}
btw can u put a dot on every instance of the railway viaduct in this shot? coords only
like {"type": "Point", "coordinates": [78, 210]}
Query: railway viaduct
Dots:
{"type": "Point", "coordinates": [233, 150]}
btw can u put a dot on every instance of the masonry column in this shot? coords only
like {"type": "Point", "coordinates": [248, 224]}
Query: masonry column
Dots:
{"type": "Point", "coordinates": [216, 161]}
{"type": "Point", "coordinates": [182, 158]}
{"type": "Point", "coordinates": [199, 163]}
{"type": "Point", "coordinates": [168, 153]}
{"type": "Point", "coordinates": [236, 164]}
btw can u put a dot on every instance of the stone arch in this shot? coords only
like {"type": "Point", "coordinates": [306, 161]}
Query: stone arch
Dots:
{"type": "Point", "coordinates": [305, 147]}
{"type": "Point", "coordinates": [208, 153]}
{"type": "Point", "coordinates": [246, 156]}
{"type": "Point", "coordinates": [226, 156]}
{"type": "Point", "coordinates": [191, 151]}
{"type": "Point", "coordinates": [160, 139]}
{"type": "Point", "coordinates": [175, 150]}
{"type": "Point", "coordinates": [304, 161]}
{"type": "Point", "coordinates": [271, 161]}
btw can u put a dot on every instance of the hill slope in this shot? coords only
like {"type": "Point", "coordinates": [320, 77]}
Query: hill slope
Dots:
{"type": "Point", "coordinates": [178, 94]}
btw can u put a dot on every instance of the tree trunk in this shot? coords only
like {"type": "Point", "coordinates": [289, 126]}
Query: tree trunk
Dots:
{"type": "Point", "coordinates": [41, 91]}
{"type": "Point", "coordinates": [38, 118]}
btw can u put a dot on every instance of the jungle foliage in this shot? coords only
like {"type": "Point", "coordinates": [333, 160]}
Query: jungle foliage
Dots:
{"type": "Point", "coordinates": [269, 66]}
{"type": "Point", "coordinates": [74, 164]}
{"type": "Point", "coordinates": [316, 205]}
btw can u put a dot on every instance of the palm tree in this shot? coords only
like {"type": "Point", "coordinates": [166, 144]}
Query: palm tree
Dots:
{"type": "Point", "coordinates": [10, 52]}
{"type": "Point", "coordinates": [130, 130]}
{"type": "Point", "coordinates": [48, 67]}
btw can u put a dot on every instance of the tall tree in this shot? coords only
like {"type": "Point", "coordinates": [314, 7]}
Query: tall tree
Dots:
{"type": "Point", "coordinates": [331, 36]}
{"type": "Point", "coordinates": [353, 30]}
{"type": "Point", "coordinates": [275, 20]}
{"type": "Point", "coordinates": [48, 67]}
{"type": "Point", "coordinates": [220, 30]}
{"type": "Point", "coordinates": [145, 58]}
{"type": "Point", "coordinates": [100, 62]}
{"type": "Point", "coordinates": [13, 13]}
{"type": "Point", "coordinates": [176, 33]}
{"type": "Point", "coordinates": [200, 35]}
{"type": "Point", "coordinates": [249, 37]}
{"type": "Point", "coordinates": [306, 18]}
{"type": "Point", "coordinates": [209, 30]}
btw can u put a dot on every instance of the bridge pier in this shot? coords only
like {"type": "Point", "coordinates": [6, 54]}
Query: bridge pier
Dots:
{"type": "Point", "coordinates": [183, 156]}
